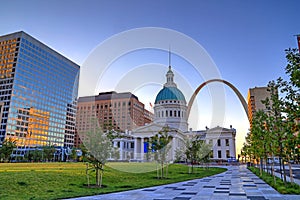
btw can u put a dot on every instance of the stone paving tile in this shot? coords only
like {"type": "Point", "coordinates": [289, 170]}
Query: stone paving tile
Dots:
{"type": "Point", "coordinates": [237, 183]}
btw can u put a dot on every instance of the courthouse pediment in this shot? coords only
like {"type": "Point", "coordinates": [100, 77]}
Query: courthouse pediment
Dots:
{"type": "Point", "coordinates": [219, 129]}
{"type": "Point", "coordinates": [150, 129]}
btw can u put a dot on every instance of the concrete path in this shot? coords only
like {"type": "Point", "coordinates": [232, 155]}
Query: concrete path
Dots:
{"type": "Point", "coordinates": [236, 183]}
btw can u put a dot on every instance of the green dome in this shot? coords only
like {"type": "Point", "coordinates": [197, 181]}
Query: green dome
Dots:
{"type": "Point", "coordinates": [169, 93]}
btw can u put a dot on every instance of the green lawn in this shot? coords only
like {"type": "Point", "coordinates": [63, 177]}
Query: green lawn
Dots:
{"type": "Point", "coordinates": [63, 180]}
{"type": "Point", "coordinates": [289, 188]}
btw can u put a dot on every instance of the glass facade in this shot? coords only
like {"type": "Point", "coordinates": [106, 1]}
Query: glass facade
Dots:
{"type": "Point", "coordinates": [38, 93]}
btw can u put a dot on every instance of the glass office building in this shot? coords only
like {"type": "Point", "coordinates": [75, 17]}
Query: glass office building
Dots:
{"type": "Point", "coordinates": [38, 93]}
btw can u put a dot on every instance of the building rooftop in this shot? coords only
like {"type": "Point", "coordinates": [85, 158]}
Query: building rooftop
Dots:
{"type": "Point", "coordinates": [108, 96]}
{"type": "Point", "coordinates": [169, 93]}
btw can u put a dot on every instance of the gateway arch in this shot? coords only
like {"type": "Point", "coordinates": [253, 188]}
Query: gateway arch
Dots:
{"type": "Point", "coordinates": [241, 98]}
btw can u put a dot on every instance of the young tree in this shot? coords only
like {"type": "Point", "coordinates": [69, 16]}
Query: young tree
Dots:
{"type": "Point", "coordinates": [291, 91]}
{"type": "Point", "coordinates": [204, 152]}
{"type": "Point", "coordinates": [159, 145]}
{"type": "Point", "coordinates": [261, 137]}
{"type": "Point", "coordinates": [275, 108]}
{"type": "Point", "coordinates": [192, 146]}
{"type": "Point", "coordinates": [99, 149]}
{"type": "Point", "coordinates": [197, 151]}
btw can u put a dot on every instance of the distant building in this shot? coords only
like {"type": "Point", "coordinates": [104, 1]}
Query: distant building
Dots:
{"type": "Point", "coordinates": [112, 110]}
{"type": "Point", "coordinates": [222, 141]}
{"type": "Point", "coordinates": [38, 93]}
{"type": "Point", "coordinates": [255, 97]}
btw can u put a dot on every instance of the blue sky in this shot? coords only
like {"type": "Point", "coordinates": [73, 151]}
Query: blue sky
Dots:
{"type": "Point", "coordinates": [246, 39]}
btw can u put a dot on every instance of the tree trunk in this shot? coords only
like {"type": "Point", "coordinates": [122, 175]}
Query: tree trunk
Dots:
{"type": "Point", "coordinates": [97, 177]}
{"type": "Point", "coordinates": [261, 166]}
{"type": "Point", "coordinates": [280, 167]}
{"type": "Point", "coordinates": [273, 173]}
{"type": "Point", "coordinates": [101, 175]}
{"type": "Point", "coordinates": [284, 173]}
{"type": "Point", "coordinates": [87, 175]}
{"type": "Point", "coordinates": [162, 170]}
{"type": "Point", "coordinates": [291, 173]}
{"type": "Point", "coordinates": [157, 172]}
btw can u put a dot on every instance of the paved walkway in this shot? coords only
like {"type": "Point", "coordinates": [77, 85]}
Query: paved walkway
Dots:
{"type": "Point", "coordinates": [236, 183]}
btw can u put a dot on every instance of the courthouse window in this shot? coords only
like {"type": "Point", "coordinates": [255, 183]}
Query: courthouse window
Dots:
{"type": "Point", "coordinates": [227, 142]}
{"type": "Point", "coordinates": [219, 154]}
{"type": "Point", "coordinates": [219, 142]}
{"type": "Point", "coordinates": [227, 154]}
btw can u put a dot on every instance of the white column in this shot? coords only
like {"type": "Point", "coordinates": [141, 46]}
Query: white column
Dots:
{"type": "Point", "coordinates": [142, 149]}
{"type": "Point", "coordinates": [135, 148]}
{"type": "Point", "coordinates": [173, 148]}
{"type": "Point", "coordinates": [215, 148]}
{"type": "Point", "coordinates": [232, 147]}
{"type": "Point", "coordinates": [121, 149]}
{"type": "Point", "coordinates": [115, 144]}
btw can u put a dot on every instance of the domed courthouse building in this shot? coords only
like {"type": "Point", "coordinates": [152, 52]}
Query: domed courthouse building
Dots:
{"type": "Point", "coordinates": [170, 110]}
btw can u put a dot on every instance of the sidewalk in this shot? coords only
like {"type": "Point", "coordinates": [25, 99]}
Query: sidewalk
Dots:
{"type": "Point", "coordinates": [236, 183]}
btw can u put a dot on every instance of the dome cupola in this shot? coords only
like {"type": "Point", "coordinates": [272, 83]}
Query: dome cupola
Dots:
{"type": "Point", "coordinates": [170, 105]}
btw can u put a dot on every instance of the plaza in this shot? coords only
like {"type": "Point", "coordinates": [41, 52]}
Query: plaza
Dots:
{"type": "Point", "coordinates": [236, 183]}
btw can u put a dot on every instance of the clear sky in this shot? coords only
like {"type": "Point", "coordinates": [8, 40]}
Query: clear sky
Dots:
{"type": "Point", "coordinates": [245, 39]}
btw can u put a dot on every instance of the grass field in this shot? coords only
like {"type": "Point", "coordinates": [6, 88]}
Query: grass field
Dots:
{"type": "Point", "coordinates": [289, 188]}
{"type": "Point", "coordinates": [65, 180]}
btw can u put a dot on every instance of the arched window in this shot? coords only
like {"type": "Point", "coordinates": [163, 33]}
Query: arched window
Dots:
{"type": "Point", "coordinates": [162, 113]}
{"type": "Point", "coordinates": [179, 113]}
{"type": "Point", "coordinates": [175, 112]}
{"type": "Point", "coordinates": [171, 113]}
{"type": "Point", "coordinates": [166, 113]}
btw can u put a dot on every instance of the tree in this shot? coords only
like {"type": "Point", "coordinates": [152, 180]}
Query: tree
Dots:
{"type": "Point", "coordinates": [180, 155]}
{"type": "Point", "coordinates": [74, 155]}
{"type": "Point", "coordinates": [291, 91]}
{"type": "Point", "coordinates": [159, 145]}
{"type": "Point", "coordinates": [261, 137]}
{"type": "Point", "coordinates": [7, 148]}
{"type": "Point", "coordinates": [192, 146]}
{"type": "Point", "coordinates": [293, 67]}
{"type": "Point", "coordinates": [204, 151]}
{"type": "Point", "coordinates": [281, 130]}
{"type": "Point", "coordinates": [99, 149]}
{"type": "Point", "coordinates": [196, 151]}
{"type": "Point", "coordinates": [48, 152]}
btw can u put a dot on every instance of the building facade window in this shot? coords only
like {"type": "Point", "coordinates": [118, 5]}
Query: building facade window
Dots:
{"type": "Point", "coordinates": [227, 154]}
{"type": "Point", "coordinates": [219, 154]}
{"type": "Point", "coordinates": [211, 154]}
{"type": "Point", "coordinates": [219, 142]}
{"type": "Point", "coordinates": [227, 142]}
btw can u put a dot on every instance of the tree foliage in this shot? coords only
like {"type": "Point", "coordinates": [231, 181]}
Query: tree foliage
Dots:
{"type": "Point", "coordinates": [197, 151]}
{"type": "Point", "coordinates": [275, 131]}
{"type": "Point", "coordinates": [159, 144]}
{"type": "Point", "coordinates": [98, 150]}
{"type": "Point", "coordinates": [6, 149]}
